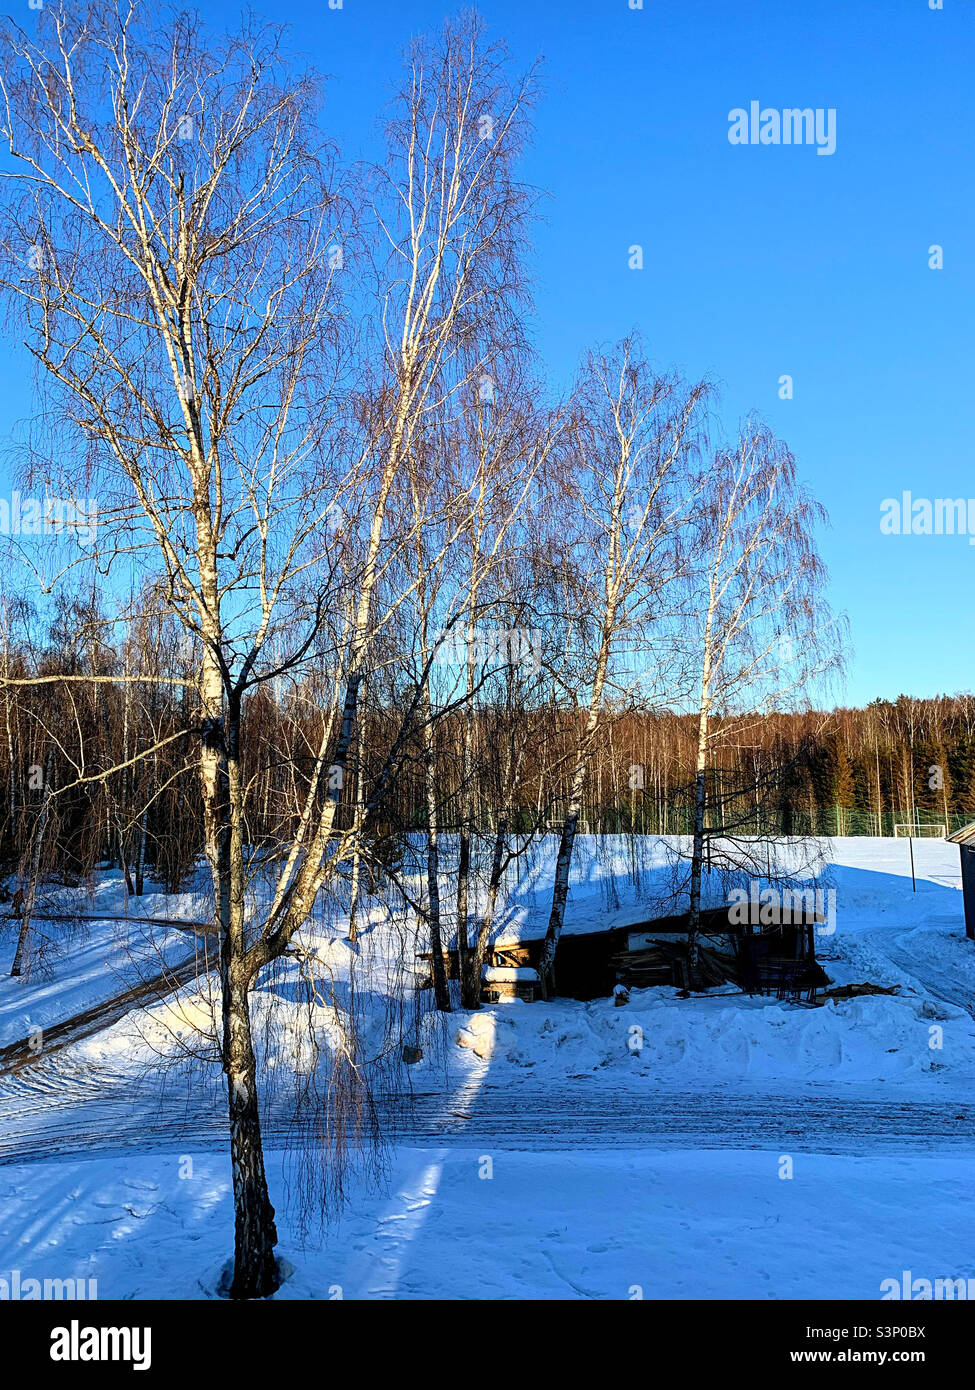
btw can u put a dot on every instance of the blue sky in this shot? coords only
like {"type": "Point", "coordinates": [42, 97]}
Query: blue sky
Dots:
{"type": "Point", "coordinates": [759, 261]}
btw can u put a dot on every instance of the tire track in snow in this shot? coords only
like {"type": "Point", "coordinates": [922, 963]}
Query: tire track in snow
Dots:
{"type": "Point", "coordinates": [575, 1117]}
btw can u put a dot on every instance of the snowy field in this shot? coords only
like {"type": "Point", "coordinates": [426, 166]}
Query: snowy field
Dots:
{"type": "Point", "coordinates": [745, 1148]}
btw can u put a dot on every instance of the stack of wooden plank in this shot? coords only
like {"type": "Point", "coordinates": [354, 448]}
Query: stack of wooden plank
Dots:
{"type": "Point", "coordinates": [666, 963]}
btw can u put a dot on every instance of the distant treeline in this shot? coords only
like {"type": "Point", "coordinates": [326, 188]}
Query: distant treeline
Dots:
{"type": "Point", "coordinates": [849, 771]}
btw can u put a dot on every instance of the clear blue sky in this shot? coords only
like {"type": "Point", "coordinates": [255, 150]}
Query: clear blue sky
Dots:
{"type": "Point", "coordinates": [758, 261]}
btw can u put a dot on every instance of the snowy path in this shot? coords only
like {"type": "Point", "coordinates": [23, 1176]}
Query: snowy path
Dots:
{"type": "Point", "coordinates": [21, 1054]}
{"type": "Point", "coordinates": [581, 1116]}
{"type": "Point", "coordinates": [941, 965]}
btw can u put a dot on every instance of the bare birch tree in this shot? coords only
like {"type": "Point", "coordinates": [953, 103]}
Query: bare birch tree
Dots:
{"type": "Point", "coordinates": [634, 439]}
{"type": "Point", "coordinates": [177, 235]}
{"type": "Point", "coordinates": [763, 632]}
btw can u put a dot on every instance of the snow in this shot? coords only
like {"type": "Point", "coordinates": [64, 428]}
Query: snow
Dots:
{"type": "Point", "coordinates": [507, 974]}
{"type": "Point", "coordinates": [658, 1036]}
{"type": "Point", "coordinates": [554, 1225]}
{"type": "Point", "coordinates": [565, 1213]}
{"type": "Point", "coordinates": [97, 959]}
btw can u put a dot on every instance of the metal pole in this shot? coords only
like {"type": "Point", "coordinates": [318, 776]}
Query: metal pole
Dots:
{"type": "Point", "coordinates": [910, 841]}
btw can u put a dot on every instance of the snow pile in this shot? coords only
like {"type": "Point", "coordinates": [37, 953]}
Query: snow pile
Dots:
{"type": "Point", "coordinates": [699, 1041]}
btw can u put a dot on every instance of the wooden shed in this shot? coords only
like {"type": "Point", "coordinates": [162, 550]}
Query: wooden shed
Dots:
{"type": "Point", "coordinates": [778, 960]}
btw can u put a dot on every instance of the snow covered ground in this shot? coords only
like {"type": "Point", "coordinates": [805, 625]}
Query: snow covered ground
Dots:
{"type": "Point", "coordinates": [558, 1224]}
{"type": "Point", "coordinates": [622, 1157]}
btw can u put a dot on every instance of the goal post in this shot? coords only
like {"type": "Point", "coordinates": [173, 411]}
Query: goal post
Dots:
{"type": "Point", "coordinates": [919, 832]}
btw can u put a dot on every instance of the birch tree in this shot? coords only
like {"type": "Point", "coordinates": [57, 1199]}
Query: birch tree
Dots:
{"type": "Point", "coordinates": [634, 441]}
{"type": "Point", "coordinates": [175, 237]}
{"type": "Point", "coordinates": [763, 632]}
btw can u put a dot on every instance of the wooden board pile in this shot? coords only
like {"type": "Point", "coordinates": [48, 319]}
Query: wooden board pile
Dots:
{"type": "Point", "coordinates": [665, 963]}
